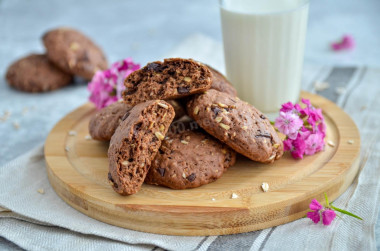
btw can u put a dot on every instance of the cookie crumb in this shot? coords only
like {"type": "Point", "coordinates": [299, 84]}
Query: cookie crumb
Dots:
{"type": "Point", "coordinates": [350, 141]}
{"type": "Point", "coordinates": [67, 149]}
{"type": "Point", "coordinates": [87, 137]}
{"type": "Point", "coordinates": [163, 105]}
{"type": "Point", "coordinates": [16, 125]}
{"type": "Point", "coordinates": [320, 86]}
{"type": "Point", "coordinates": [330, 143]}
{"type": "Point", "coordinates": [265, 187]}
{"type": "Point", "coordinates": [213, 199]}
{"type": "Point", "coordinates": [72, 133]}
{"type": "Point", "coordinates": [234, 196]}
{"type": "Point", "coordinates": [41, 191]}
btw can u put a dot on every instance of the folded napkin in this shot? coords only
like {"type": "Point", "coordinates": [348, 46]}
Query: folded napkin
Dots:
{"type": "Point", "coordinates": [35, 218]}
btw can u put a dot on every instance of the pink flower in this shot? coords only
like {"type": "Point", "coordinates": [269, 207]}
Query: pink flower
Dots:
{"type": "Point", "coordinates": [288, 123]}
{"type": "Point", "coordinates": [315, 205]}
{"type": "Point", "coordinates": [347, 43]}
{"type": "Point", "coordinates": [314, 216]}
{"type": "Point", "coordinates": [107, 86]}
{"type": "Point", "coordinates": [328, 216]}
{"type": "Point", "coordinates": [299, 147]}
{"type": "Point", "coordinates": [313, 144]}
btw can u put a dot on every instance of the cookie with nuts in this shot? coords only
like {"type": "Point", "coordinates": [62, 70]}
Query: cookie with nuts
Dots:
{"type": "Point", "coordinates": [220, 82]}
{"type": "Point", "coordinates": [35, 73]}
{"type": "Point", "coordinates": [171, 79]}
{"type": "Point", "coordinates": [135, 144]}
{"type": "Point", "coordinates": [189, 159]}
{"type": "Point", "coordinates": [238, 124]}
{"type": "Point", "coordinates": [104, 122]}
{"type": "Point", "coordinates": [74, 52]}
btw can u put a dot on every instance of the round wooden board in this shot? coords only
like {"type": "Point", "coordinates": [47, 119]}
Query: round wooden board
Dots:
{"type": "Point", "coordinates": [77, 168]}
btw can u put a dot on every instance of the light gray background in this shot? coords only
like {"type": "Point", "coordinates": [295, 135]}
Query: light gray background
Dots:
{"type": "Point", "coordinates": [146, 31]}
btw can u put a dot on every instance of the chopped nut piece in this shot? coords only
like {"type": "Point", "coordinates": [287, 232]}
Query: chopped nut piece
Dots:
{"type": "Point", "coordinates": [234, 196]}
{"type": "Point", "coordinates": [187, 79]}
{"type": "Point", "coordinates": [350, 141]}
{"type": "Point", "coordinates": [184, 175]}
{"type": "Point", "coordinates": [125, 163]}
{"type": "Point", "coordinates": [41, 191]}
{"type": "Point", "coordinates": [265, 187]}
{"type": "Point", "coordinates": [224, 151]}
{"type": "Point", "coordinates": [184, 142]}
{"type": "Point", "coordinates": [163, 105]}
{"type": "Point", "coordinates": [320, 86]}
{"type": "Point", "coordinates": [276, 145]}
{"type": "Point", "coordinates": [234, 134]}
{"type": "Point", "coordinates": [72, 133]}
{"type": "Point", "coordinates": [196, 110]}
{"type": "Point", "coordinates": [159, 135]}
{"type": "Point", "coordinates": [208, 109]}
{"type": "Point", "coordinates": [162, 128]}
{"type": "Point", "coordinates": [222, 105]}
{"type": "Point", "coordinates": [151, 125]}
{"type": "Point", "coordinates": [142, 164]}
{"type": "Point", "coordinates": [272, 156]}
{"type": "Point", "coordinates": [330, 143]}
{"type": "Point", "coordinates": [224, 126]}
{"type": "Point", "coordinates": [87, 137]}
{"type": "Point", "coordinates": [218, 119]}
{"type": "Point", "coordinates": [244, 127]}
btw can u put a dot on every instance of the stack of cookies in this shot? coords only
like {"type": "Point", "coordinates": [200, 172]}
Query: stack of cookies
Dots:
{"type": "Point", "coordinates": [180, 125]}
{"type": "Point", "coordinates": [68, 53]}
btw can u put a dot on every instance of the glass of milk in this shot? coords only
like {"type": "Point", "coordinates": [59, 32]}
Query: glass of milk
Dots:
{"type": "Point", "coordinates": [264, 44]}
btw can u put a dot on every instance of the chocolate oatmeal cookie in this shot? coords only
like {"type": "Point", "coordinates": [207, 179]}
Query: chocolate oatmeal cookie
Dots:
{"type": "Point", "coordinates": [104, 123]}
{"type": "Point", "coordinates": [237, 124]}
{"type": "Point", "coordinates": [74, 52]}
{"type": "Point", "coordinates": [35, 73]}
{"type": "Point", "coordinates": [171, 79]}
{"type": "Point", "coordinates": [189, 159]}
{"type": "Point", "coordinates": [220, 83]}
{"type": "Point", "coordinates": [135, 144]}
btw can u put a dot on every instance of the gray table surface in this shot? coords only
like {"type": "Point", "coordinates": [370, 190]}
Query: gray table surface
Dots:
{"type": "Point", "coordinates": [146, 30]}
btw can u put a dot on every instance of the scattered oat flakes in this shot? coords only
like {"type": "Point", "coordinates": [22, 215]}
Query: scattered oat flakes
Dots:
{"type": "Point", "coordinates": [330, 143]}
{"type": "Point", "coordinates": [159, 135]}
{"type": "Point", "coordinates": [87, 137]}
{"type": "Point", "coordinates": [234, 196]}
{"type": "Point", "coordinates": [163, 105]}
{"type": "Point", "coordinates": [320, 86]}
{"type": "Point", "coordinates": [41, 191]}
{"type": "Point", "coordinates": [224, 126]}
{"type": "Point", "coordinates": [184, 142]}
{"type": "Point", "coordinates": [340, 90]}
{"type": "Point", "coordinates": [16, 125]}
{"type": "Point", "coordinates": [265, 187]}
{"type": "Point", "coordinates": [350, 141]}
{"type": "Point", "coordinates": [72, 133]}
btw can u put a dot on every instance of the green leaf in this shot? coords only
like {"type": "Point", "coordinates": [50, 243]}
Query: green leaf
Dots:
{"type": "Point", "coordinates": [327, 201]}
{"type": "Point", "coordinates": [345, 212]}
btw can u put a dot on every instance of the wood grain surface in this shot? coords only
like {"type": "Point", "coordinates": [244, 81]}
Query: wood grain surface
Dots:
{"type": "Point", "coordinates": [77, 168]}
